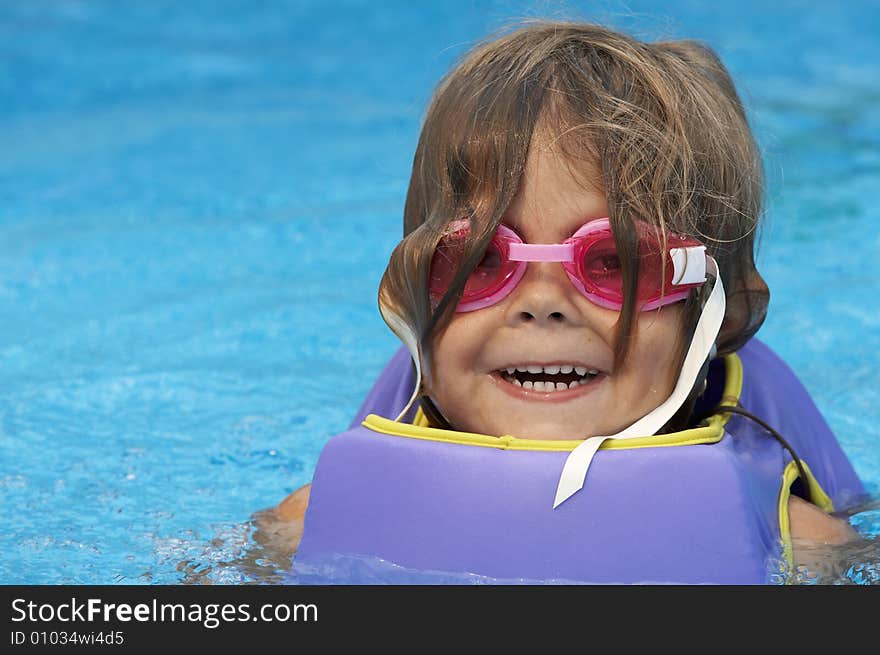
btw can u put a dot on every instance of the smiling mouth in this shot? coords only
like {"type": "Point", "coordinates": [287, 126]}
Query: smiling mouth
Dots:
{"type": "Point", "coordinates": [549, 378]}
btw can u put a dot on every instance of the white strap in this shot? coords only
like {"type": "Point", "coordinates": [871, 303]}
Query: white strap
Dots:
{"type": "Point", "coordinates": [689, 264]}
{"type": "Point", "coordinates": [578, 462]}
{"type": "Point", "coordinates": [411, 341]}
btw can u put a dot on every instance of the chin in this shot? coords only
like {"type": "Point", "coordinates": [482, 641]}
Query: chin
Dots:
{"type": "Point", "coordinates": [546, 430]}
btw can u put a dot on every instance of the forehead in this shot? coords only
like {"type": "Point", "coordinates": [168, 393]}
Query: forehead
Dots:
{"type": "Point", "coordinates": [558, 192]}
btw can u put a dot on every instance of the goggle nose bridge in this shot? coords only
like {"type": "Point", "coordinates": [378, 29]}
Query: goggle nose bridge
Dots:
{"type": "Point", "coordinates": [541, 252]}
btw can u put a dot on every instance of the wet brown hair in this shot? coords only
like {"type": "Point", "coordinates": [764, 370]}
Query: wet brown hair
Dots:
{"type": "Point", "coordinates": [662, 122]}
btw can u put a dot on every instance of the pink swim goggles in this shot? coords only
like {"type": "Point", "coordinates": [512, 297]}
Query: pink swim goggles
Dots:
{"type": "Point", "coordinates": [589, 257]}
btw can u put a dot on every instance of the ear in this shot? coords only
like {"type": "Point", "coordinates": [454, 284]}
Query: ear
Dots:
{"type": "Point", "coordinates": [747, 300]}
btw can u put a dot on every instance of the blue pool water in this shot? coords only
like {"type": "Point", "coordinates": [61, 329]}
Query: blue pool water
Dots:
{"type": "Point", "coordinates": [198, 200]}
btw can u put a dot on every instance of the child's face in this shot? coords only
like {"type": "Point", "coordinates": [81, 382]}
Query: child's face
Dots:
{"type": "Point", "coordinates": [546, 321]}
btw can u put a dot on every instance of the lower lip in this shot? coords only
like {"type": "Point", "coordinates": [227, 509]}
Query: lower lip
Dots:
{"type": "Point", "coordinates": [548, 396]}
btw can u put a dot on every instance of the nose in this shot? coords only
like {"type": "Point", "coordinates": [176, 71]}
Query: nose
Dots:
{"type": "Point", "coordinates": [543, 296]}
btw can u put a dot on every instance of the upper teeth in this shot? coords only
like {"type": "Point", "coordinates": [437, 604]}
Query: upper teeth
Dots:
{"type": "Point", "coordinates": [586, 375]}
{"type": "Point", "coordinates": [552, 370]}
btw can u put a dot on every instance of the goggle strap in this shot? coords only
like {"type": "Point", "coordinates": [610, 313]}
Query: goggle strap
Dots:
{"type": "Point", "coordinates": [689, 265]}
{"type": "Point", "coordinates": [574, 472]}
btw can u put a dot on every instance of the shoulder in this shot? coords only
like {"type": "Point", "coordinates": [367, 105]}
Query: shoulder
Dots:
{"type": "Point", "coordinates": [294, 506]}
{"type": "Point", "coordinates": [278, 529]}
{"type": "Point", "coordinates": [809, 523]}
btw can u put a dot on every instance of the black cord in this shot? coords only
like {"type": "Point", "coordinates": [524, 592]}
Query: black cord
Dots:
{"type": "Point", "coordinates": [735, 409]}
{"type": "Point", "coordinates": [435, 418]}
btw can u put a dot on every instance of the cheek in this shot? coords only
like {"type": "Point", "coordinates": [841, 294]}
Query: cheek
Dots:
{"type": "Point", "coordinates": [456, 352]}
{"type": "Point", "coordinates": [448, 385]}
{"type": "Point", "coordinates": [657, 348]}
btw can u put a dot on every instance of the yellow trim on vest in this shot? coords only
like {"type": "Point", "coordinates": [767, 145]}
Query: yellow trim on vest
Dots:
{"type": "Point", "coordinates": [817, 496]}
{"type": "Point", "coordinates": [712, 433]}
{"type": "Point", "coordinates": [420, 420]}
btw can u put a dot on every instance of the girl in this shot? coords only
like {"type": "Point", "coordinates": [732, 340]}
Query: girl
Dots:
{"type": "Point", "coordinates": [577, 263]}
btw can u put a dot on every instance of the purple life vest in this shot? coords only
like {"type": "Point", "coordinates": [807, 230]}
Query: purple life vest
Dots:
{"type": "Point", "coordinates": [710, 509]}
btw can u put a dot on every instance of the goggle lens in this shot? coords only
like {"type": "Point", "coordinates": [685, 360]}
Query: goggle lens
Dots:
{"type": "Point", "coordinates": [601, 271]}
{"type": "Point", "coordinates": [490, 274]}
